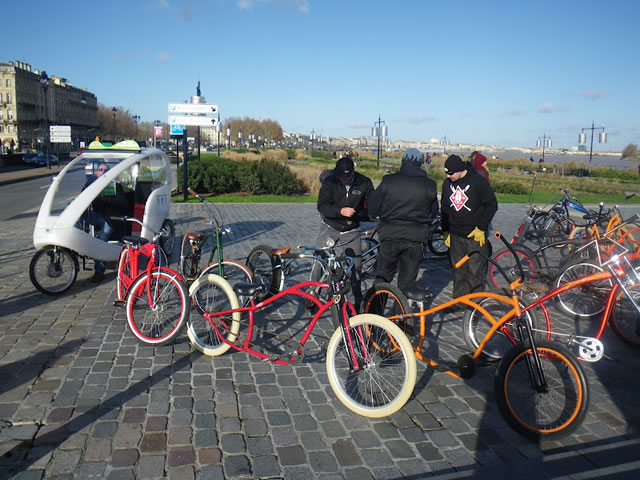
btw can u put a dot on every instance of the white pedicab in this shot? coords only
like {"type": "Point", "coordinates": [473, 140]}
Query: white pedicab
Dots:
{"type": "Point", "coordinates": [61, 237]}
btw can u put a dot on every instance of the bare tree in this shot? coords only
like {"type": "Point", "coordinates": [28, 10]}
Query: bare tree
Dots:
{"type": "Point", "coordinates": [630, 151]}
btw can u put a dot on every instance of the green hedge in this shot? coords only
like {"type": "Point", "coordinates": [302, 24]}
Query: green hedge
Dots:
{"type": "Point", "coordinates": [221, 175]}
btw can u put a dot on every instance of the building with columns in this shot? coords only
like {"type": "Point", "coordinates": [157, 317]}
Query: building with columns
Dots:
{"type": "Point", "coordinates": [31, 101]}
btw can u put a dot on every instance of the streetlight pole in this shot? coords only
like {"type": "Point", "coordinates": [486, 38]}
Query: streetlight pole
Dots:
{"type": "Point", "coordinates": [135, 119]}
{"type": "Point", "coordinates": [229, 137]}
{"type": "Point", "coordinates": [218, 126]}
{"type": "Point", "coordinates": [156, 123]}
{"type": "Point", "coordinates": [379, 129]}
{"type": "Point", "coordinates": [113, 129]}
{"type": "Point", "coordinates": [543, 141]}
{"type": "Point", "coordinates": [240, 137]}
{"type": "Point", "coordinates": [602, 138]}
{"type": "Point", "coordinates": [44, 80]}
{"type": "Point", "coordinates": [445, 141]}
{"type": "Point", "coordinates": [83, 101]}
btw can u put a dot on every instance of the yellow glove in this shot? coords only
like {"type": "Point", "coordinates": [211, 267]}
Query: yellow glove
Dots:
{"type": "Point", "coordinates": [477, 235]}
{"type": "Point", "coordinates": [447, 239]}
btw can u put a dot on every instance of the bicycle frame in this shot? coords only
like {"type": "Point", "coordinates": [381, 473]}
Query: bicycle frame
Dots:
{"type": "Point", "coordinates": [346, 308]}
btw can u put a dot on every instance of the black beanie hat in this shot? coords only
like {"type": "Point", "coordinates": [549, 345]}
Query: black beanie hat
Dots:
{"type": "Point", "coordinates": [344, 168]}
{"type": "Point", "coordinates": [454, 164]}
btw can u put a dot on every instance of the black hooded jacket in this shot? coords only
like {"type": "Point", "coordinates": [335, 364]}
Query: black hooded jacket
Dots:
{"type": "Point", "coordinates": [334, 195]}
{"type": "Point", "coordinates": [405, 202]}
{"type": "Point", "coordinates": [467, 204]}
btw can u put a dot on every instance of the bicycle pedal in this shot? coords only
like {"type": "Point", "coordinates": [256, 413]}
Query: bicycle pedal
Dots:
{"type": "Point", "coordinates": [118, 303]}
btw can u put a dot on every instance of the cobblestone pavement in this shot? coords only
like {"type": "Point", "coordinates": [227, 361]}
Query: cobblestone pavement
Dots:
{"type": "Point", "coordinates": [81, 398]}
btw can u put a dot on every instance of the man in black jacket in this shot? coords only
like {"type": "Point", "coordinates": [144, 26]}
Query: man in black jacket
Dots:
{"type": "Point", "coordinates": [468, 205]}
{"type": "Point", "coordinates": [405, 202]}
{"type": "Point", "coordinates": [342, 203]}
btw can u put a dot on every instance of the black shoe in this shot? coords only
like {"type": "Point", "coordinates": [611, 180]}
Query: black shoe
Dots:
{"type": "Point", "coordinates": [97, 277]}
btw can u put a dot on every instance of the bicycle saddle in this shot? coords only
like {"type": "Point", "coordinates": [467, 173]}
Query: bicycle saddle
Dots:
{"type": "Point", "coordinates": [247, 289]}
{"type": "Point", "coordinates": [418, 294]}
{"type": "Point", "coordinates": [135, 241]}
{"type": "Point", "coordinates": [193, 236]}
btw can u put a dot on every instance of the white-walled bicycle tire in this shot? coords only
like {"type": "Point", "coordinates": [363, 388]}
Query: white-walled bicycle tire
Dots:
{"type": "Point", "coordinates": [220, 295]}
{"type": "Point", "coordinates": [388, 349]}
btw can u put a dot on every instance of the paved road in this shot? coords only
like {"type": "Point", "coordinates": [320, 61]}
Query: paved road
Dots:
{"type": "Point", "coordinates": [81, 398]}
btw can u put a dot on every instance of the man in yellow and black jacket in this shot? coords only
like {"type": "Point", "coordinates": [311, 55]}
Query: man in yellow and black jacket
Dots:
{"type": "Point", "coordinates": [468, 205]}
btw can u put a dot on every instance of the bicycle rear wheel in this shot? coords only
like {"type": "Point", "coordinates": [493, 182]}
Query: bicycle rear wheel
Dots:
{"type": "Point", "coordinates": [53, 270]}
{"type": "Point", "coordinates": [625, 319]}
{"type": "Point", "coordinates": [552, 410]}
{"type": "Point", "coordinates": [370, 249]}
{"type": "Point", "coordinates": [387, 366]}
{"type": "Point", "coordinates": [387, 300]}
{"type": "Point", "coordinates": [189, 258]}
{"type": "Point", "coordinates": [215, 295]}
{"type": "Point", "coordinates": [157, 307]}
{"type": "Point", "coordinates": [436, 243]}
{"type": "Point", "coordinates": [266, 270]}
{"type": "Point", "coordinates": [505, 260]}
{"type": "Point", "coordinates": [124, 278]}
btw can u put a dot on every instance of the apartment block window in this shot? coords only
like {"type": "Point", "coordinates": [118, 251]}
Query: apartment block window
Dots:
{"type": "Point", "coordinates": [0, 97]}
{"type": "Point", "coordinates": [8, 98]}
{"type": "Point", "coordinates": [1, 115]}
{"type": "Point", "coordinates": [10, 129]}
{"type": "Point", "coordinates": [1, 129]}
{"type": "Point", "coordinates": [8, 83]}
{"type": "Point", "coordinates": [9, 114]}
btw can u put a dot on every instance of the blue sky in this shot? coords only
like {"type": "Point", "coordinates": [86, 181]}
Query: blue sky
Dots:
{"type": "Point", "coordinates": [486, 72]}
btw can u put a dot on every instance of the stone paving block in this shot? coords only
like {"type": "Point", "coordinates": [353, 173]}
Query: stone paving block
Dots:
{"type": "Point", "coordinates": [151, 466]}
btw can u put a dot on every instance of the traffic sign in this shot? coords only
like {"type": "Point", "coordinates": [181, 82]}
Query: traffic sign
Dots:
{"type": "Point", "coordinates": [193, 121]}
{"type": "Point", "coordinates": [157, 131]}
{"type": "Point", "coordinates": [60, 129]}
{"type": "Point", "coordinates": [193, 108]}
{"type": "Point", "coordinates": [177, 129]}
{"type": "Point", "coordinates": [60, 138]}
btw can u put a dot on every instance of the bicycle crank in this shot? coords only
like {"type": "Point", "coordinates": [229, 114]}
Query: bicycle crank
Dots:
{"type": "Point", "coordinates": [591, 349]}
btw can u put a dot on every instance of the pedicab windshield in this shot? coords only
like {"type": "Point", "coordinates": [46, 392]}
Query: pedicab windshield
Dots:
{"type": "Point", "coordinates": [145, 173]}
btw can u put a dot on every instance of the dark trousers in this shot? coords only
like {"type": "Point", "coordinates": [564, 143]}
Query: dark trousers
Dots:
{"type": "Point", "coordinates": [403, 255]}
{"type": "Point", "coordinates": [469, 277]}
{"type": "Point", "coordinates": [351, 247]}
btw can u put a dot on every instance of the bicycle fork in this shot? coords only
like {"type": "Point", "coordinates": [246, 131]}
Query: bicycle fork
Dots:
{"type": "Point", "coordinates": [534, 365]}
{"type": "Point", "coordinates": [357, 353]}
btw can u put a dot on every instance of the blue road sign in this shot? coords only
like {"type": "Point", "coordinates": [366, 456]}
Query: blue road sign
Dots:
{"type": "Point", "coordinates": [177, 129]}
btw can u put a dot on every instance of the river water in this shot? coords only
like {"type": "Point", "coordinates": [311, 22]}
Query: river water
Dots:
{"type": "Point", "coordinates": [559, 158]}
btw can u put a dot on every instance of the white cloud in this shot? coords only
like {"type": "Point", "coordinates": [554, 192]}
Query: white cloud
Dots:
{"type": "Point", "coordinates": [593, 94]}
{"type": "Point", "coordinates": [298, 5]}
{"type": "Point", "coordinates": [163, 56]}
{"type": "Point", "coordinates": [516, 112]}
{"type": "Point", "coordinates": [551, 108]}
{"type": "Point", "coordinates": [358, 125]}
{"type": "Point", "coordinates": [418, 120]}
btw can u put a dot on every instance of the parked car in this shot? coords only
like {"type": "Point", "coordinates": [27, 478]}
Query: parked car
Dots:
{"type": "Point", "coordinates": [29, 157]}
{"type": "Point", "coordinates": [40, 160]}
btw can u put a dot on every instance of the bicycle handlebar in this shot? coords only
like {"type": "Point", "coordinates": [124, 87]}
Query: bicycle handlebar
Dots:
{"type": "Point", "coordinates": [156, 235]}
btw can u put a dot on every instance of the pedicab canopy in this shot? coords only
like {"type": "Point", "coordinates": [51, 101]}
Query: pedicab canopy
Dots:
{"type": "Point", "coordinates": [142, 175]}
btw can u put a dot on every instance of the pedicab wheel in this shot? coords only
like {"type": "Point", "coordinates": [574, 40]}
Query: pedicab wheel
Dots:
{"type": "Point", "coordinates": [53, 270]}
{"type": "Point", "coordinates": [167, 243]}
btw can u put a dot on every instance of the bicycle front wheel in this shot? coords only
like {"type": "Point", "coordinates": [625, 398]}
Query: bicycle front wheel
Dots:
{"type": "Point", "coordinates": [587, 300]}
{"type": "Point", "coordinates": [505, 260]}
{"type": "Point", "coordinates": [53, 270]}
{"type": "Point", "coordinates": [436, 243]}
{"type": "Point", "coordinates": [388, 301]}
{"type": "Point", "coordinates": [157, 307]}
{"type": "Point", "coordinates": [386, 375]}
{"type": "Point", "coordinates": [232, 271]}
{"type": "Point", "coordinates": [215, 294]}
{"type": "Point", "coordinates": [550, 409]}
{"type": "Point", "coordinates": [476, 326]}
{"type": "Point", "coordinates": [265, 270]}
{"type": "Point", "coordinates": [625, 319]}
